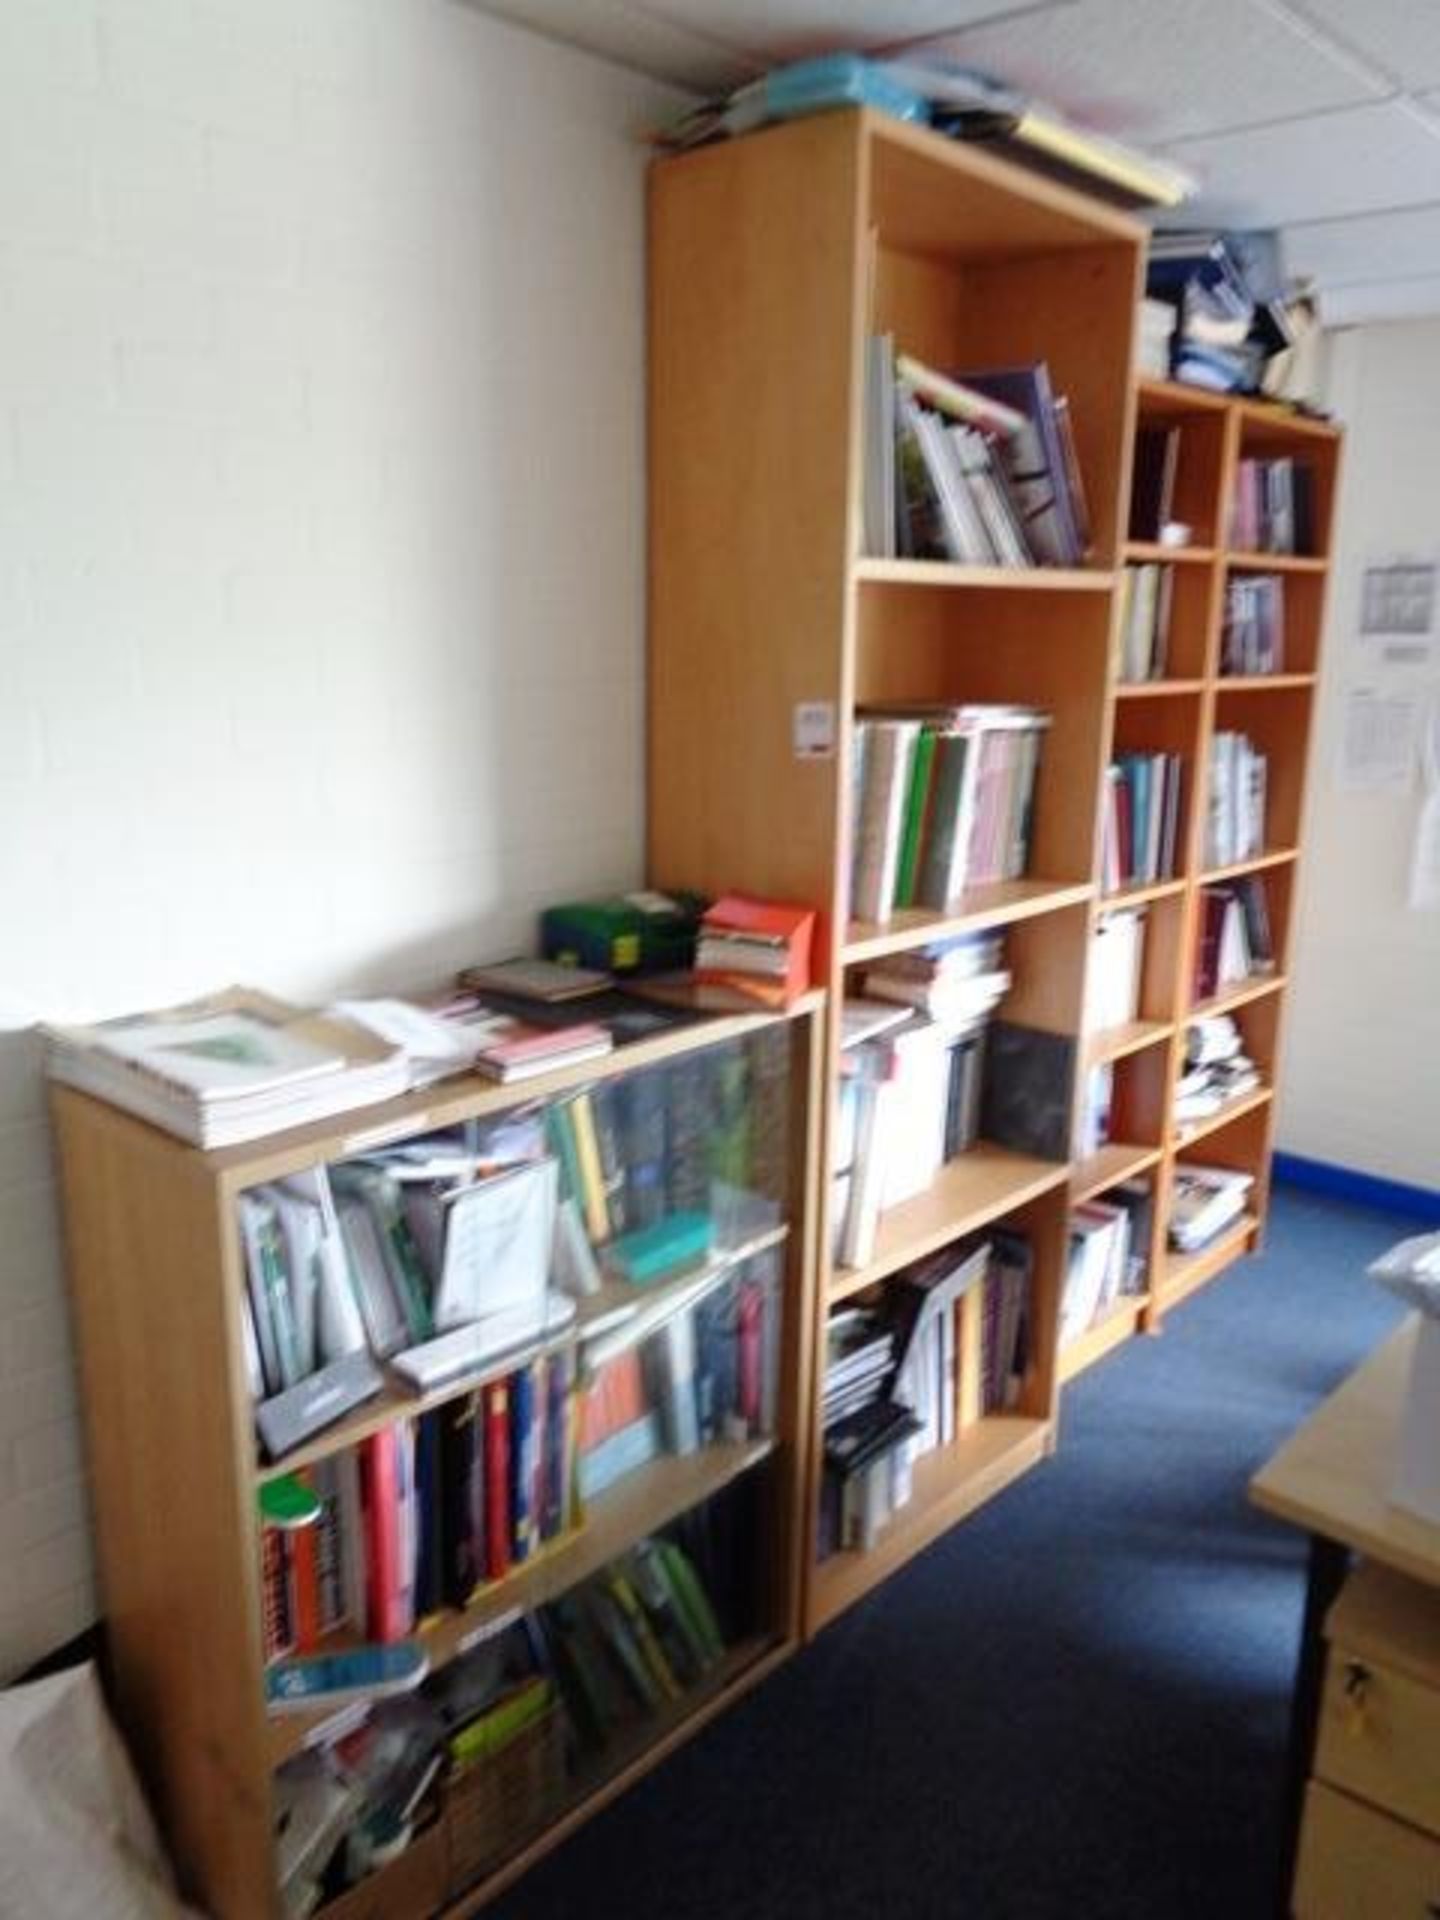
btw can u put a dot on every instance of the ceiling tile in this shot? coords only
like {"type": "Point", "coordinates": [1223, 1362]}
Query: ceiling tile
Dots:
{"type": "Point", "coordinates": [1402, 36]}
{"type": "Point", "coordinates": [1321, 168]}
{"type": "Point", "coordinates": [776, 30]}
{"type": "Point", "coordinates": [1411, 299]}
{"type": "Point", "coordinates": [1369, 246]}
{"type": "Point", "coordinates": [1164, 69]}
{"type": "Point", "coordinates": [632, 37]}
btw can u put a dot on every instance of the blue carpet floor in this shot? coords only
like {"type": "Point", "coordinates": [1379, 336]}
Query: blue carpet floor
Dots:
{"type": "Point", "coordinates": [1073, 1705]}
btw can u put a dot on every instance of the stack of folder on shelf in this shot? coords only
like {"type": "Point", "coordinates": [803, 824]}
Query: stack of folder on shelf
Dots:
{"type": "Point", "coordinates": [1145, 598]}
{"type": "Point", "coordinates": [1253, 640]}
{"type": "Point", "coordinates": [758, 947]}
{"type": "Point", "coordinates": [1235, 820]}
{"type": "Point", "coordinates": [1217, 1069]}
{"type": "Point", "coordinates": [1274, 506]}
{"type": "Point", "coordinates": [1204, 1202]}
{"type": "Point", "coordinates": [1114, 970]}
{"type": "Point", "coordinates": [228, 1068]}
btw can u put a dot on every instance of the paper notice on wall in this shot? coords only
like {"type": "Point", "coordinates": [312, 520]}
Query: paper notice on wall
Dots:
{"type": "Point", "coordinates": [1397, 614]}
{"type": "Point", "coordinates": [1425, 854]}
{"type": "Point", "coordinates": [1380, 739]}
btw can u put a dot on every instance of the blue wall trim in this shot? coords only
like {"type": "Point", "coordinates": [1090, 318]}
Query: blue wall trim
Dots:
{"type": "Point", "coordinates": [1368, 1189]}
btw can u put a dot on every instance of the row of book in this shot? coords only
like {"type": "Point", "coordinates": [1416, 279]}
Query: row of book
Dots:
{"type": "Point", "coordinates": [1236, 940]}
{"type": "Point", "coordinates": [909, 1095]}
{"type": "Point", "coordinates": [942, 798]}
{"type": "Point", "coordinates": [424, 1513]}
{"type": "Point", "coordinates": [977, 468]}
{"type": "Point", "coordinates": [1204, 1203]}
{"type": "Point", "coordinates": [1140, 822]}
{"type": "Point", "coordinates": [1235, 815]}
{"type": "Point", "coordinates": [513, 1719]}
{"type": "Point", "coordinates": [947, 1345]}
{"type": "Point", "coordinates": [1114, 970]}
{"type": "Point", "coordinates": [1146, 594]}
{"type": "Point", "coordinates": [1107, 1256]}
{"type": "Point", "coordinates": [1217, 1069]}
{"type": "Point", "coordinates": [1273, 510]}
{"type": "Point", "coordinates": [427, 1512]}
{"type": "Point", "coordinates": [1253, 637]}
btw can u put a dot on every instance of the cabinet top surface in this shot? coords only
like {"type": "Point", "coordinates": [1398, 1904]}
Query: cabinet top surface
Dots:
{"type": "Point", "coordinates": [1333, 1474]}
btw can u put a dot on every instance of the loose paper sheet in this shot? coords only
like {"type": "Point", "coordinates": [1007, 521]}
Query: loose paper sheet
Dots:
{"type": "Point", "coordinates": [1397, 614]}
{"type": "Point", "coordinates": [1380, 738]}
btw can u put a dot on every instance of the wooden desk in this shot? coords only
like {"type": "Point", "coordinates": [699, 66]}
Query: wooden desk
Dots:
{"type": "Point", "coordinates": [1332, 1477]}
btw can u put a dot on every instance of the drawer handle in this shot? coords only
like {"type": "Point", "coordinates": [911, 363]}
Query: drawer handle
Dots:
{"type": "Point", "coordinates": [1356, 1691]}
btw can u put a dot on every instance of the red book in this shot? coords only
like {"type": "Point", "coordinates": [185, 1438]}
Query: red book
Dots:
{"type": "Point", "coordinates": [781, 936]}
{"type": "Point", "coordinates": [495, 1402]}
{"type": "Point", "coordinates": [276, 1610]}
{"type": "Point", "coordinates": [305, 1585]}
{"type": "Point", "coordinates": [1124, 838]}
{"type": "Point", "coordinates": [380, 1506]}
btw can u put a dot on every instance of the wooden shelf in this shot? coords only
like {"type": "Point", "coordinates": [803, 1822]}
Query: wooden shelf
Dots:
{"type": "Point", "coordinates": [1156, 550]}
{"type": "Point", "coordinates": [1240, 995]}
{"type": "Point", "coordinates": [1114, 1327]}
{"type": "Point", "coordinates": [1114, 1043]}
{"type": "Point", "coordinates": [1257, 863]}
{"type": "Point", "coordinates": [1275, 562]}
{"type": "Point", "coordinates": [994, 906]}
{"type": "Point", "coordinates": [1188, 1132]}
{"type": "Point", "coordinates": [1140, 894]}
{"type": "Point", "coordinates": [944, 573]}
{"type": "Point", "coordinates": [1107, 1167]}
{"type": "Point", "coordinates": [1263, 682]}
{"type": "Point", "coordinates": [599, 1310]}
{"type": "Point", "coordinates": [1157, 689]}
{"type": "Point", "coordinates": [1186, 1273]}
{"type": "Point", "coordinates": [639, 1504]}
{"type": "Point", "coordinates": [948, 1484]}
{"type": "Point", "coordinates": [1174, 397]}
{"type": "Point", "coordinates": [979, 1186]}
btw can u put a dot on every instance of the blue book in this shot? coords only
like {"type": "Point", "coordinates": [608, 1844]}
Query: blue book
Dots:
{"type": "Point", "coordinates": [654, 1253]}
{"type": "Point", "coordinates": [633, 1446]}
{"type": "Point", "coordinates": [524, 1439]}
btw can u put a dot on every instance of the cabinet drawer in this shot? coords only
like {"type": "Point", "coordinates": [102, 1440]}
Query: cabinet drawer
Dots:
{"type": "Point", "coordinates": [1356, 1864]}
{"type": "Point", "coordinates": [1379, 1737]}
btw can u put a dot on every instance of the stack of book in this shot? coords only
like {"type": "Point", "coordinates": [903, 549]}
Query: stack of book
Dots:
{"type": "Point", "coordinates": [1114, 970]}
{"type": "Point", "coordinates": [1108, 1256]}
{"type": "Point", "coordinates": [1140, 826]}
{"type": "Point", "coordinates": [953, 1332]}
{"type": "Point", "coordinates": [232, 1067]}
{"type": "Point", "coordinates": [1273, 510]}
{"type": "Point", "coordinates": [942, 798]}
{"type": "Point", "coordinates": [1217, 1069]}
{"type": "Point", "coordinates": [977, 468]}
{"type": "Point", "coordinates": [1235, 937]}
{"type": "Point", "coordinates": [757, 947]}
{"type": "Point", "coordinates": [1145, 597]}
{"type": "Point", "coordinates": [1253, 639]}
{"type": "Point", "coordinates": [1204, 1202]}
{"type": "Point", "coordinates": [1235, 816]}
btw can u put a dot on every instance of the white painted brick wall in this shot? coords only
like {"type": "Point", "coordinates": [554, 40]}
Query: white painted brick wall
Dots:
{"type": "Point", "coordinates": [321, 550]}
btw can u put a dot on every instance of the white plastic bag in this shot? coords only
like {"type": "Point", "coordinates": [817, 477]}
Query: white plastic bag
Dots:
{"type": "Point", "coordinates": [76, 1839]}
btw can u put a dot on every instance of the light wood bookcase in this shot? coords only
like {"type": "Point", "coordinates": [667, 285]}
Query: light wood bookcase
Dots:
{"type": "Point", "coordinates": [157, 1277]}
{"type": "Point", "coordinates": [772, 259]}
{"type": "Point", "coordinates": [1184, 712]}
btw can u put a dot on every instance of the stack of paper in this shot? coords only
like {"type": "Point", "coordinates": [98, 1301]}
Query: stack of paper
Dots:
{"type": "Point", "coordinates": [231, 1067]}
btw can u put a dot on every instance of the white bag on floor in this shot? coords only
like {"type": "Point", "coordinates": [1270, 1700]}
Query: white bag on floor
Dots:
{"type": "Point", "coordinates": [76, 1838]}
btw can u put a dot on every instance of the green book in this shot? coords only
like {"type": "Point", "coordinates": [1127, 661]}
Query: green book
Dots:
{"type": "Point", "coordinates": [691, 1599]}
{"type": "Point", "coordinates": [933, 879]}
{"type": "Point", "coordinates": [560, 1131]}
{"type": "Point", "coordinates": [916, 796]}
{"type": "Point", "coordinates": [508, 1718]}
{"type": "Point", "coordinates": [674, 1242]}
